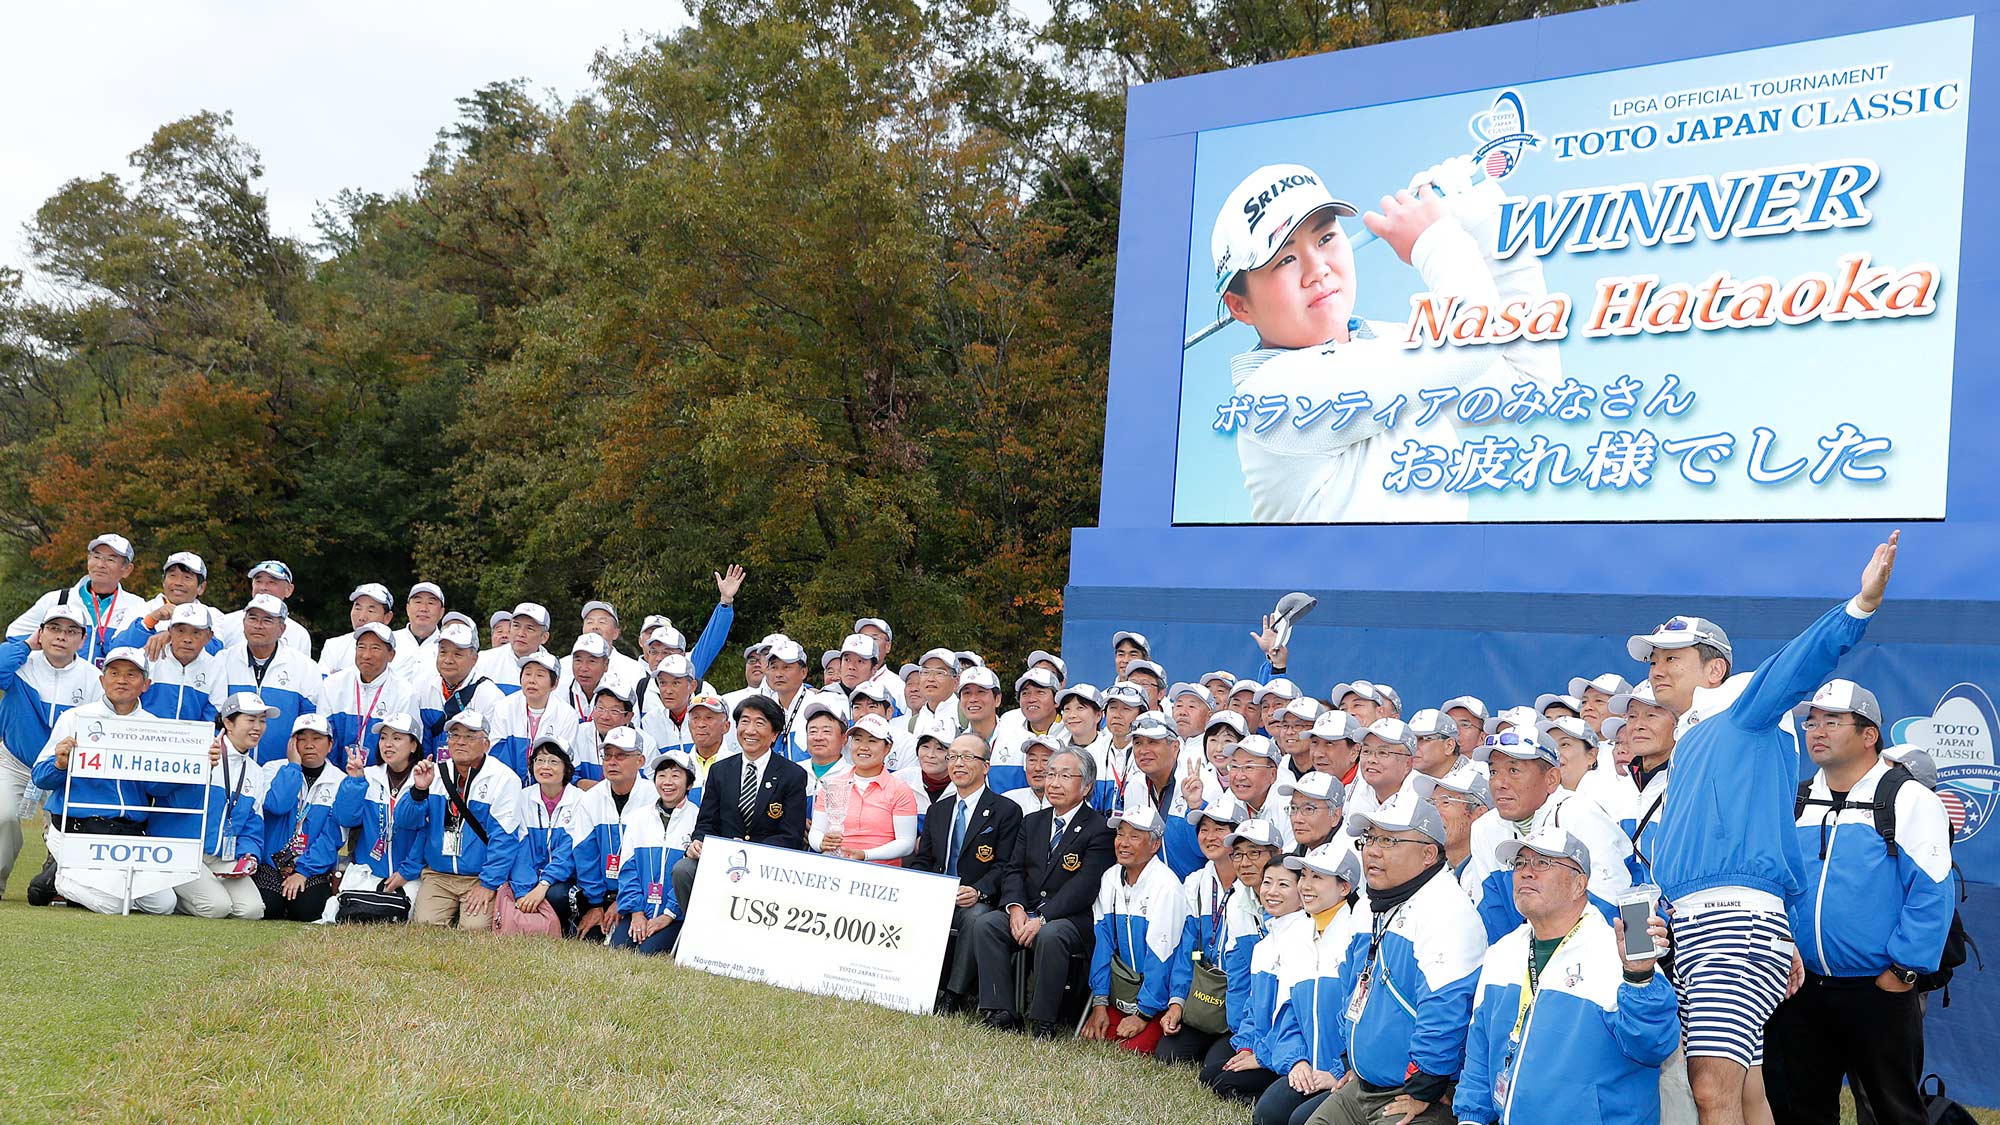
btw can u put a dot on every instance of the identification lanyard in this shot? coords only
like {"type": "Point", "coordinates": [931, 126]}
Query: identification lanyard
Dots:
{"type": "Point", "coordinates": [384, 831]}
{"type": "Point", "coordinates": [576, 702]}
{"type": "Point", "coordinates": [373, 700]}
{"type": "Point", "coordinates": [1216, 912]}
{"type": "Point", "coordinates": [1163, 797]}
{"type": "Point", "coordinates": [534, 720]}
{"type": "Point", "coordinates": [1529, 994]}
{"type": "Point", "coordinates": [101, 617]}
{"type": "Point", "coordinates": [454, 798]}
{"type": "Point", "coordinates": [235, 792]}
{"type": "Point", "coordinates": [1378, 930]}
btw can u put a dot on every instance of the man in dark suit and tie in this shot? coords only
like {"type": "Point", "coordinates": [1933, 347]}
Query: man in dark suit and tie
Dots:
{"type": "Point", "coordinates": [970, 835]}
{"type": "Point", "coordinates": [756, 795]}
{"type": "Point", "coordinates": [1058, 863]}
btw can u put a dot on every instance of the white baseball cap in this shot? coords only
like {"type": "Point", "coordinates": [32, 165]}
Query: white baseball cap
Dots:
{"type": "Point", "coordinates": [1280, 687]}
{"type": "Point", "coordinates": [1259, 214]}
{"type": "Point", "coordinates": [534, 612]}
{"type": "Point", "coordinates": [1199, 691]}
{"type": "Point", "coordinates": [874, 725]}
{"type": "Point", "coordinates": [1432, 724]}
{"type": "Point", "coordinates": [268, 603]}
{"type": "Point", "coordinates": [431, 588]}
{"type": "Point", "coordinates": [272, 567]}
{"type": "Point", "coordinates": [1258, 831]}
{"type": "Point", "coordinates": [1471, 703]}
{"type": "Point", "coordinates": [1678, 632]}
{"type": "Point", "coordinates": [401, 721]}
{"type": "Point", "coordinates": [861, 645]}
{"type": "Point", "coordinates": [1403, 812]}
{"type": "Point", "coordinates": [66, 611]}
{"type": "Point", "coordinates": [1260, 746]}
{"type": "Point", "coordinates": [1337, 863]}
{"type": "Point", "coordinates": [1841, 697]}
{"type": "Point", "coordinates": [623, 739]}
{"type": "Point", "coordinates": [458, 633]}
{"type": "Point", "coordinates": [1153, 725]}
{"type": "Point", "coordinates": [830, 703]}
{"type": "Point", "coordinates": [1139, 639]}
{"type": "Point", "coordinates": [1543, 700]}
{"type": "Point", "coordinates": [312, 721]}
{"type": "Point", "coordinates": [1550, 840]}
{"type": "Point", "coordinates": [876, 690]}
{"type": "Point", "coordinates": [1337, 726]}
{"type": "Point", "coordinates": [829, 658]}
{"type": "Point", "coordinates": [1520, 718]}
{"type": "Point", "coordinates": [605, 606]}
{"type": "Point", "coordinates": [1148, 667]}
{"type": "Point", "coordinates": [1144, 817]}
{"type": "Point", "coordinates": [1305, 708]}
{"type": "Point", "coordinates": [1127, 693]}
{"type": "Point", "coordinates": [188, 560]}
{"type": "Point", "coordinates": [373, 590]}
{"type": "Point", "coordinates": [1394, 731]}
{"type": "Point", "coordinates": [947, 656]}
{"type": "Point", "coordinates": [864, 622]}
{"type": "Point", "coordinates": [543, 658]}
{"type": "Point", "coordinates": [116, 542]}
{"type": "Point", "coordinates": [978, 676]}
{"type": "Point", "coordinates": [1229, 719]}
{"type": "Point", "coordinates": [590, 644]}
{"type": "Point", "coordinates": [1319, 786]}
{"type": "Point", "coordinates": [195, 614]}
{"type": "Point", "coordinates": [1037, 677]}
{"type": "Point", "coordinates": [785, 650]}
{"type": "Point", "coordinates": [1057, 665]}
{"type": "Point", "coordinates": [246, 703]}
{"type": "Point", "coordinates": [676, 665]}
{"type": "Point", "coordinates": [1086, 692]}
{"type": "Point", "coordinates": [1621, 704]}
{"type": "Point", "coordinates": [1218, 676]}
{"type": "Point", "coordinates": [1570, 727]}
{"type": "Point", "coordinates": [376, 629]}
{"type": "Point", "coordinates": [1366, 689]}
{"type": "Point", "coordinates": [1610, 683]}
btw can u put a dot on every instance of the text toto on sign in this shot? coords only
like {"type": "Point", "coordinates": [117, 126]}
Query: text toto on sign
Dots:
{"type": "Point", "coordinates": [159, 855]}
{"type": "Point", "coordinates": [167, 750]}
{"type": "Point", "coordinates": [817, 924]}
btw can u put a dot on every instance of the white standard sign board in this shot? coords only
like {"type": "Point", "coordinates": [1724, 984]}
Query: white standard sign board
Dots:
{"type": "Point", "coordinates": [142, 749]}
{"type": "Point", "coordinates": [141, 855]}
{"type": "Point", "coordinates": [810, 922]}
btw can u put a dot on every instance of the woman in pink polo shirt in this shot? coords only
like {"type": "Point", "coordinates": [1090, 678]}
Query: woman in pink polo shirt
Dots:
{"type": "Point", "coordinates": [881, 821]}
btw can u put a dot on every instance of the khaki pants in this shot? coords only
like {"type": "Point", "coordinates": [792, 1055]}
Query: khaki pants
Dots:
{"type": "Point", "coordinates": [208, 895]}
{"type": "Point", "coordinates": [440, 901]}
{"type": "Point", "coordinates": [1349, 1105]}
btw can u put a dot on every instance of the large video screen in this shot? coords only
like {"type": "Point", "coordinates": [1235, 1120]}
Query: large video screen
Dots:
{"type": "Point", "coordinates": [1714, 289]}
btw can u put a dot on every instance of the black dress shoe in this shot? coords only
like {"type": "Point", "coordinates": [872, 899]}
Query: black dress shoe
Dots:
{"type": "Point", "coordinates": [999, 1019]}
{"type": "Point", "coordinates": [1046, 1031]}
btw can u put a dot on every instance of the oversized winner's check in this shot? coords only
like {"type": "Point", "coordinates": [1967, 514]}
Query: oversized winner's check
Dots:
{"type": "Point", "coordinates": [809, 922]}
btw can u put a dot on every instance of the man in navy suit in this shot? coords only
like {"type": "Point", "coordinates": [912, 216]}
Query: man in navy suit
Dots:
{"type": "Point", "coordinates": [969, 835]}
{"type": "Point", "coordinates": [1059, 859]}
{"type": "Point", "coordinates": [756, 795]}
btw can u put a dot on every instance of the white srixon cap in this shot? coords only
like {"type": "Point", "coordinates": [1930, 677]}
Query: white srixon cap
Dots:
{"type": "Point", "coordinates": [194, 614]}
{"type": "Point", "coordinates": [114, 541]}
{"type": "Point", "coordinates": [1678, 632]}
{"type": "Point", "coordinates": [189, 561]}
{"type": "Point", "coordinates": [1261, 213]}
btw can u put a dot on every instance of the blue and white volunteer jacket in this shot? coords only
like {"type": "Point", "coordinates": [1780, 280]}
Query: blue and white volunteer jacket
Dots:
{"type": "Point", "coordinates": [1590, 1046]}
{"type": "Point", "coordinates": [1493, 892]}
{"type": "Point", "coordinates": [1284, 956]}
{"type": "Point", "coordinates": [291, 684]}
{"type": "Point", "coordinates": [514, 730]}
{"type": "Point", "coordinates": [585, 756]}
{"type": "Point", "coordinates": [36, 695]}
{"type": "Point", "coordinates": [1309, 994]}
{"type": "Point", "coordinates": [1115, 771]}
{"type": "Point", "coordinates": [1205, 932]}
{"type": "Point", "coordinates": [368, 803]}
{"type": "Point", "coordinates": [500, 665]}
{"type": "Point", "coordinates": [1181, 850]}
{"type": "Point", "coordinates": [136, 634]}
{"type": "Point", "coordinates": [667, 732]}
{"type": "Point", "coordinates": [1420, 989]}
{"type": "Point", "coordinates": [548, 838]}
{"type": "Point", "coordinates": [701, 768]}
{"type": "Point", "coordinates": [1646, 838]}
{"type": "Point", "coordinates": [415, 660]}
{"type": "Point", "coordinates": [1863, 911]}
{"type": "Point", "coordinates": [494, 799]}
{"type": "Point", "coordinates": [234, 794]}
{"type": "Point", "coordinates": [1242, 931]}
{"type": "Point", "coordinates": [294, 804]}
{"type": "Point", "coordinates": [88, 796]}
{"type": "Point", "coordinates": [428, 690]}
{"type": "Point", "coordinates": [652, 844]}
{"type": "Point", "coordinates": [1141, 924]}
{"type": "Point", "coordinates": [1737, 768]}
{"type": "Point", "coordinates": [104, 618]}
{"type": "Point", "coordinates": [185, 691]}
{"type": "Point", "coordinates": [597, 837]}
{"type": "Point", "coordinates": [352, 708]}
{"type": "Point", "coordinates": [713, 636]}
{"type": "Point", "coordinates": [1009, 768]}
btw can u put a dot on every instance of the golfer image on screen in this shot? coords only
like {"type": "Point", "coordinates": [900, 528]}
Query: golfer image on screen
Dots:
{"type": "Point", "coordinates": [1284, 266]}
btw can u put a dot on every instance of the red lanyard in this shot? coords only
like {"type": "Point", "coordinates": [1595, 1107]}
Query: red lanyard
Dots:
{"type": "Point", "coordinates": [101, 620]}
{"type": "Point", "coordinates": [373, 700]}
{"type": "Point", "coordinates": [576, 704]}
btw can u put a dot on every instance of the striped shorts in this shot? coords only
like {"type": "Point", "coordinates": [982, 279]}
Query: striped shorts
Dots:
{"type": "Point", "coordinates": [1730, 967]}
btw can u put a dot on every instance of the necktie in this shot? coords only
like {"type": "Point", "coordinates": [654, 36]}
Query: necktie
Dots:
{"type": "Point", "coordinates": [1056, 836]}
{"type": "Point", "coordinates": [747, 800]}
{"type": "Point", "coordinates": [957, 840]}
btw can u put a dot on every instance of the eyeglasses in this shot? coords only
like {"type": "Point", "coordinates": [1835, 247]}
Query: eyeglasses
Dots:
{"type": "Point", "coordinates": [1811, 725]}
{"type": "Point", "coordinates": [1246, 853]}
{"type": "Point", "coordinates": [1540, 864]}
{"type": "Point", "coordinates": [1308, 807]}
{"type": "Point", "coordinates": [1379, 842]}
{"type": "Point", "coordinates": [1384, 752]}
{"type": "Point", "coordinates": [965, 757]}
{"type": "Point", "coordinates": [1065, 775]}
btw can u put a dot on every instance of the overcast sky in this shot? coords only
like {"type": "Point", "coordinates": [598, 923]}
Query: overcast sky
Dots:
{"type": "Point", "coordinates": [334, 95]}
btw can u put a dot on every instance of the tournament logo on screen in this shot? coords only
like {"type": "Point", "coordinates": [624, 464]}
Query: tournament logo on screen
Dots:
{"type": "Point", "coordinates": [1958, 735]}
{"type": "Point", "coordinates": [1503, 135]}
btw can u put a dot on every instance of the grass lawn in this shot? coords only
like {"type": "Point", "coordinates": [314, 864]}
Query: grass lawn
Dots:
{"type": "Point", "coordinates": [178, 1019]}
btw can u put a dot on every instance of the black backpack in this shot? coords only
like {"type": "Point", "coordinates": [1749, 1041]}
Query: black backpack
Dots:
{"type": "Point", "coordinates": [1958, 944]}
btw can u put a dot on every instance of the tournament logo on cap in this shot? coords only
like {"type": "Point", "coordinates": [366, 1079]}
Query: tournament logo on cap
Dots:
{"type": "Point", "coordinates": [267, 603]}
{"type": "Point", "coordinates": [1056, 663]}
{"type": "Point", "coordinates": [1549, 840]}
{"type": "Point", "coordinates": [590, 644]}
{"type": "Point", "coordinates": [1841, 697]}
{"type": "Point", "coordinates": [878, 623]}
{"type": "Point", "coordinates": [1148, 667]}
{"type": "Point", "coordinates": [377, 630]}
{"type": "Point", "coordinates": [1335, 863]}
{"type": "Point", "coordinates": [458, 633]}
{"type": "Point", "coordinates": [431, 588]}
{"type": "Point", "coordinates": [1403, 813]}
{"type": "Point", "coordinates": [188, 561]}
{"type": "Point", "coordinates": [1678, 632]}
{"type": "Point", "coordinates": [943, 656]}
{"type": "Point", "coordinates": [1037, 677]}
{"type": "Point", "coordinates": [534, 612]}
{"type": "Point", "coordinates": [1610, 683]}
{"type": "Point", "coordinates": [676, 665]}
{"type": "Point", "coordinates": [1318, 786]}
{"type": "Point", "coordinates": [66, 611]}
{"type": "Point", "coordinates": [875, 726]}
{"type": "Point", "coordinates": [1521, 747]}
{"type": "Point", "coordinates": [1471, 704]}
{"type": "Point", "coordinates": [274, 568]}
{"type": "Point", "coordinates": [1569, 702]}
{"type": "Point", "coordinates": [403, 722]}
{"type": "Point", "coordinates": [709, 701]}
{"type": "Point", "coordinates": [1153, 725]}
{"type": "Point", "coordinates": [1087, 693]}
{"type": "Point", "coordinates": [625, 740]}
{"type": "Point", "coordinates": [1258, 746]}
{"type": "Point", "coordinates": [1432, 724]}
{"type": "Point", "coordinates": [785, 650]}
{"type": "Point", "coordinates": [374, 591]}
{"type": "Point", "coordinates": [861, 645]}
{"type": "Point", "coordinates": [830, 703]}
{"type": "Point", "coordinates": [117, 543]}
{"type": "Point", "coordinates": [313, 722]}
{"type": "Point", "coordinates": [1227, 720]}
{"type": "Point", "coordinates": [1145, 818]}
{"type": "Point", "coordinates": [1462, 779]}
{"type": "Point", "coordinates": [1138, 639]}
{"type": "Point", "coordinates": [471, 720]}
{"type": "Point", "coordinates": [1279, 688]}
{"type": "Point", "coordinates": [1127, 693]}
{"type": "Point", "coordinates": [1337, 726]}
{"type": "Point", "coordinates": [1193, 690]}
{"type": "Point", "coordinates": [1258, 831]}
{"type": "Point", "coordinates": [246, 703]}
{"type": "Point", "coordinates": [978, 677]}
{"type": "Point", "coordinates": [194, 615]}
{"type": "Point", "coordinates": [591, 606]}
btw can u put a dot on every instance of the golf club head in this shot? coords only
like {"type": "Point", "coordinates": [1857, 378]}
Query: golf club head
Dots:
{"type": "Point", "coordinates": [1291, 609]}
